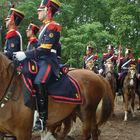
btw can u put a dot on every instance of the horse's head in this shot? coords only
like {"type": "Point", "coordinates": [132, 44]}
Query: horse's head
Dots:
{"type": "Point", "coordinates": [90, 65]}
{"type": "Point", "coordinates": [108, 69]}
{"type": "Point", "coordinates": [132, 74]}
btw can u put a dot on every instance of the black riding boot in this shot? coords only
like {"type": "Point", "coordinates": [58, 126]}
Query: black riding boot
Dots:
{"type": "Point", "coordinates": [42, 106]}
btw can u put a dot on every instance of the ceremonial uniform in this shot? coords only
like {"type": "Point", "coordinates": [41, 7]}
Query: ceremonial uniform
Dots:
{"type": "Point", "coordinates": [32, 44]}
{"type": "Point", "coordinates": [33, 41]}
{"type": "Point", "coordinates": [45, 54]}
{"type": "Point", "coordinates": [90, 59]}
{"type": "Point", "coordinates": [108, 56]}
{"type": "Point", "coordinates": [58, 52]}
{"type": "Point", "coordinates": [125, 62]}
{"type": "Point", "coordinates": [13, 37]}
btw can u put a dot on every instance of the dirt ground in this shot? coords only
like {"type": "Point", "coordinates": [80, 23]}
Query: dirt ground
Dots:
{"type": "Point", "coordinates": [115, 128]}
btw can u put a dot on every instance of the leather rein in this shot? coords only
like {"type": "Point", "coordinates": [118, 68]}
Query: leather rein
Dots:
{"type": "Point", "coordinates": [9, 89]}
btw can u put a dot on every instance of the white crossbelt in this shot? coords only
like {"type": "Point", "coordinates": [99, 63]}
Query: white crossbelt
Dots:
{"type": "Point", "coordinates": [123, 66]}
{"type": "Point", "coordinates": [21, 48]}
{"type": "Point", "coordinates": [110, 58]}
{"type": "Point", "coordinates": [89, 58]}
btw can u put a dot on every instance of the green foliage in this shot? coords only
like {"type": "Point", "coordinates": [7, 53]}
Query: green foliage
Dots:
{"type": "Point", "coordinates": [74, 43]}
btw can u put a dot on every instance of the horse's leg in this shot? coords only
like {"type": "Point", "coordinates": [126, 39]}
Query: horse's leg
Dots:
{"type": "Point", "coordinates": [125, 105]}
{"type": "Point", "coordinates": [67, 127]}
{"type": "Point", "coordinates": [132, 103]}
{"type": "Point", "coordinates": [87, 119]}
{"type": "Point", "coordinates": [95, 131]}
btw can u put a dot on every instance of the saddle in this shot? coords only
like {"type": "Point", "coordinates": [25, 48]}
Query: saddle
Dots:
{"type": "Point", "coordinates": [63, 88]}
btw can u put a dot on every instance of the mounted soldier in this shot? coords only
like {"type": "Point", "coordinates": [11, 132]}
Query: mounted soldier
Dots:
{"type": "Point", "coordinates": [90, 60]}
{"type": "Point", "coordinates": [46, 53]}
{"type": "Point", "coordinates": [13, 37]}
{"type": "Point", "coordinates": [125, 62]}
{"type": "Point", "coordinates": [31, 32]}
{"type": "Point", "coordinates": [108, 56]}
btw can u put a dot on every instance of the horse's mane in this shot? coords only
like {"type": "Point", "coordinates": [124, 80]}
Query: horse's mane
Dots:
{"type": "Point", "coordinates": [4, 64]}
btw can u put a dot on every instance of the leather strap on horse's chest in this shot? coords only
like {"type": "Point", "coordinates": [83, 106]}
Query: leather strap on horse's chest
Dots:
{"type": "Point", "coordinates": [9, 90]}
{"type": "Point", "coordinates": [8, 95]}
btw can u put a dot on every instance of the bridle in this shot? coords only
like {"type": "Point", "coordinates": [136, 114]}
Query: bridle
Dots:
{"type": "Point", "coordinates": [9, 89]}
{"type": "Point", "coordinates": [108, 72]}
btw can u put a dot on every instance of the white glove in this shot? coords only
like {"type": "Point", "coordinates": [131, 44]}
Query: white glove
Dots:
{"type": "Point", "coordinates": [5, 51]}
{"type": "Point", "coordinates": [100, 71]}
{"type": "Point", "coordinates": [19, 55]}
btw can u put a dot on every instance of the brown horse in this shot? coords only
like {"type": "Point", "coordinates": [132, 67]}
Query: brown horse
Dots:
{"type": "Point", "coordinates": [109, 75]}
{"type": "Point", "coordinates": [129, 88]}
{"type": "Point", "coordinates": [17, 119]}
{"type": "Point", "coordinates": [91, 65]}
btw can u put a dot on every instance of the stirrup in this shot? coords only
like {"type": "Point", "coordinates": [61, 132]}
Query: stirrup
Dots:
{"type": "Point", "coordinates": [38, 127]}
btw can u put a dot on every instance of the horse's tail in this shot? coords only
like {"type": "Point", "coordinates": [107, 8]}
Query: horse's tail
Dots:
{"type": "Point", "coordinates": [106, 105]}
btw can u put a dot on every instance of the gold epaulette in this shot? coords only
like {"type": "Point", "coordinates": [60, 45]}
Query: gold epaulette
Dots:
{"type": "Point", "coordinates": [46, 46]}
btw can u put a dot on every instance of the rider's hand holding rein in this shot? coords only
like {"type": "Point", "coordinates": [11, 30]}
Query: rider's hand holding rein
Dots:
{"type": "Point", "coordinates": [19, 55]}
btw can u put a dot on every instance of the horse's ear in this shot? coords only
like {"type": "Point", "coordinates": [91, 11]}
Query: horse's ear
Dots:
{"type": "Point", "coordinates": [133, 66]}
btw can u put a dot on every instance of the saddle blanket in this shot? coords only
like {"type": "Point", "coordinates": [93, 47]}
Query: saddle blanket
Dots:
{"type": "Point", "coordinates": [65, 90]}
{"type": "Point", "coordinates": [62, 90]}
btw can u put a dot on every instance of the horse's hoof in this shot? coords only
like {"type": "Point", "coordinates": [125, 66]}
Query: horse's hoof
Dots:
{"type": "Point", "coordinates": [125, 120]}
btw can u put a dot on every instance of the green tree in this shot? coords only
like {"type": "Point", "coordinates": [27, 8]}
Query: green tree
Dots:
{"type": "Point", "coordinates": [74, 43]}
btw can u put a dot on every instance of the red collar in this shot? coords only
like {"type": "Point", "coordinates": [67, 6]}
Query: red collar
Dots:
{"type": "Point", "coordinates": [11, 33]}
{"type": "Point", "coordinates": [33, 39]}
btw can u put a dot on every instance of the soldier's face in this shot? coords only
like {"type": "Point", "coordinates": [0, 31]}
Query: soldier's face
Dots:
{"type": "Point", "coordinates": [110, 51]}
{"type": "Point", "coordinates": [42, 14]}
{"type": "Point", "coordinates": [88, 52]}
{"type": "Point", "coordinates": [7, 23]}
{"type": "Point", "coordinates": [10, 22]}
{"type": "Point", "coordinates": [29, 33]}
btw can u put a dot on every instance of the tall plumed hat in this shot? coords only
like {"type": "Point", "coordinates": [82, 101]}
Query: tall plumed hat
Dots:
{"type": "Point", "coordinates": [128, 51]}
{"type": "Point", "coordinates": [16, 15]}
{"type": "Point", "coordinates": [33, 27]}
{"type": "Point", "coordinates": [52, 4]}
{"type": "Point", "coordinates": [89, 48]}
{"type": "Point", "coordinates": [110, 47]}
